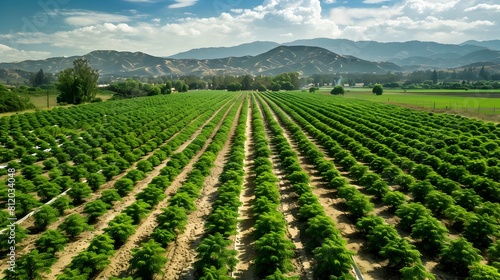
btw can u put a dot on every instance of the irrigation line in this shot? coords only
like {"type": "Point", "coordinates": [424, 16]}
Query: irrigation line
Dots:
{"type": "Point", "coordinates": [36, 210]}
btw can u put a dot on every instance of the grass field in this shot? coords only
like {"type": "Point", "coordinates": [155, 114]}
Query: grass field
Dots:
{"type": "Point", "coordinates": [39, 99]}
{"type": "Point", "coordinates": [484, 102]}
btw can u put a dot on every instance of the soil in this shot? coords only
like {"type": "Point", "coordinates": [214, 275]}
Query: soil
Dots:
{"type": "Point", "coordinates": [181, 254]}
{"type": "Point", "coordinates": [290, 209]}
{"type": "Point", "coordinates": [244, 241]}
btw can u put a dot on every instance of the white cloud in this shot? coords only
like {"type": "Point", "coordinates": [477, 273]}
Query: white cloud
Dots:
{"type": "Point", "coordinates": [9, 54]}
{"type": "Point", "coordinates": [330, 1]}
{"type": "Point", "coordinates": [484, 7]}
{"type": "Point", "coordinates": [374, 1]}
{"type": "Point", "coordinates": [85, 18]}
{"type": "Point", "coordinates": [182, 4]}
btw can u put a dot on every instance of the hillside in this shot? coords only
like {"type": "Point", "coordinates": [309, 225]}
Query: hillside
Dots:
{"type": "Point", "coordinates": [307, 60]}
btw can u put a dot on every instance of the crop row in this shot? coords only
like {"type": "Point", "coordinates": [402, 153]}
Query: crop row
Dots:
{"type": "Point", "coordinates": [332, 259]}
{"type": "Point", "coordinates": [124, 225]}
{"type": "Point", "coordinates": [124, 185]}
{"type": "Point", "coordinates": [214, 260]}
{"type": "Point", "coordinates": [425, 228]}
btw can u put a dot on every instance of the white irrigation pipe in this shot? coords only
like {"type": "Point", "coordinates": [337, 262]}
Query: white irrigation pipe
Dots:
{"type": "Point", "coordinates": [36, 210]}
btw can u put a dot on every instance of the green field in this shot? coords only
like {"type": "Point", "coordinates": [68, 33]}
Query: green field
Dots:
{"type": "Point", "coordinates": [485, 102]}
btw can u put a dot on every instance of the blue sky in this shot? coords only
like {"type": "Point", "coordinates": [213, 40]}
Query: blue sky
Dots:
{"type": "Point", "coordinates": [39, 29]}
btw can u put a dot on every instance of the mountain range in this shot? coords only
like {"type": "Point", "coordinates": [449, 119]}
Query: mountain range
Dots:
{"type": "Point", "coordinates": [410, 55]}
{"type": "Point", "coordinates": [305, 59]}
{"type": "Point", "coordinates": [308, 57]}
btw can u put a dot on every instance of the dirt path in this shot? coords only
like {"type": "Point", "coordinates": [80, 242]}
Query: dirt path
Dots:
{"type": "Point", "coordinates": [64, 257]}
{"type": "Point", "coordinates": [370, 267]}
{"type": "Point", "coordinates": [244, 241]}
{"type": "Point", "coordinates": [120, 260]}
{"type": "Point", "coordinates": [181, 253]}
{"type": "Point", "coordinates": [290, 209]}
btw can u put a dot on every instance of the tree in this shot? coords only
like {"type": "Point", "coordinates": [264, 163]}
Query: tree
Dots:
{"type": "Point", "coordinates": [168, 88]}
{"type": "Point", "coordinates": [337, 90]}
{"type": "Point", "coordinates": [78, 192]}
{"type": "Point", "coordinates": [480, 229]}
{"type": "Point", "coordinates": [95, 209]}
{"type": "Point", "coordinates": [123, 186]}
{"type": "Point", "coordinates": [78, 84]}
{"type": "Point", "coordinates": [39, 78]}
{"type": "Point", "coordinates": [51, 241]}
{"type": "Point", "coordinates": [494, 254]}
{"type": "Point", "coordinates": [434, 77]}
{"type": "Point", "coordinates": [102, 244]}
{"type": "Point", "coordinates": [148, 259]}
{"type": "Point", "coordinates": [45, 216]}
{"type": "Point", "coordinates": [32, 265]}
{"type": "Point", "coordinates": [274, 251]}
{"type": "Point", "coordinates": [74, 225]}
{"type": "Point", "coordinates": [378, 89]}
{"type": "Point", "coordinates": [120, 228]}
{"type": "Point", "coordinates": [430, 234]}
{"type": "Point", "coordinates": [483, 272]}
{"type": "Point", "coordinates": [5, 240]}
{"type": "Point", "coordinates": [48, 190]}
{"type": "Point", "coordinates": [394, 200]}
{"type": "Point", "coordinates": [332, 259]}
{"type": "Point", "coordinates": [400, 253]}
{"type": "Point", "coordinates": [213, 251]}
{"type": "Point", "coordinates": [458, 255]}
{"type": "Point", "coordinates": [416, 272]}
{"type": "Point", "coordinates": [62, 203]}
{"type": "Point", "coordinates": [137, 210]}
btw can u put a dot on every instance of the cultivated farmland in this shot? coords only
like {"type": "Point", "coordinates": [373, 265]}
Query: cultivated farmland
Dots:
{"type": "Point", "coordinates": [273, 185]}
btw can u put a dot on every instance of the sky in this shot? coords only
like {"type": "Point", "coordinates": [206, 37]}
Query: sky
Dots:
{"type": "Point", "coordinates": [38, 29]}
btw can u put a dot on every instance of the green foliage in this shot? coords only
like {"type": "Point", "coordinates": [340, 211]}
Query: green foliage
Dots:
{"type": "Point", "coordinates": [11, 102]}
{"type": "Point", "coordinates": [5, 241]}
{"type": "Point", "coordinates": [62, 203]}
{"type": "Point", "coordinates": [337, 90]}
{"type": "Point", "coordinates": [78, 192]}
{"type": "Point", "coordinates": [377, 89]}
{"type": "Point", "coordinates": [110, 196]}
{"type": "Point", "coordinates": [458, 255]}
{"type": "Point", "coordinates": [400, 253]}
{"type": "Point", "coordinates": [213, 251]}
{"type": "Point", "coordinates": [51, 241]}
{"type": "Point", "coordinates": [480, 230]}
{"type": "Point", "coordinates": [78, 84]}
{"type": "Point", "coordinates": [137, 210]}
{"type": "Point", "coordinates": [120, 228]}
{"type": "Point", "coordinates": [124, 186]}
{"type": "Point", "coordinates": [333, 260]}
{"type": "Point", "coordinates": [95, 209]}
{"type": "Point", "coordinates": [416, 272]}
{"type": "Point", "coordinates": [148, 259]}
{"type": "Point", "coordinates": [430, 234]}
{"type": "Point", "coordinates": [274, 251]}
{"type": "Point", "coordinates": [45, 216]}
{"type": "Point", "coordinates": [483, 272]}
{"type": "Point", "coordinates": [394, 200]}
{"type": "Point", "coordinates": [32, 265]}
{"type": "Point", "coordinates": [74, 225]}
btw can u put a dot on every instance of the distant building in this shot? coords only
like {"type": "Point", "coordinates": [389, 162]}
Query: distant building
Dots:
{"type": "Point", "coordinates": [359, 84]}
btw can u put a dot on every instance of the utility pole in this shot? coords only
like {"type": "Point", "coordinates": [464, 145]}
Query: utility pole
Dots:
{"type": "Point", "coordinates": [48, 99]}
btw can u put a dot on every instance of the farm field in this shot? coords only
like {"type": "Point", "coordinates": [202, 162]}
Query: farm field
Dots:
{"type": "Point", "coordinates": [246, 185]}
{"type": "Point", "coordinates": [477, 103]}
